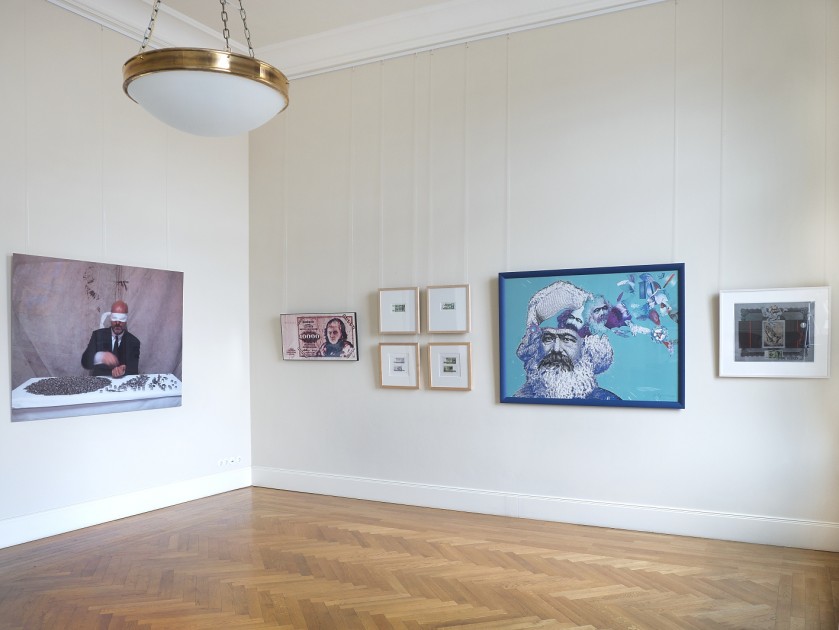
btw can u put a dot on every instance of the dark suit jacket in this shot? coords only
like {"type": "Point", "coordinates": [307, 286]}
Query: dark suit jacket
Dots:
{"type": "Point", "coordinates": [129, 352]}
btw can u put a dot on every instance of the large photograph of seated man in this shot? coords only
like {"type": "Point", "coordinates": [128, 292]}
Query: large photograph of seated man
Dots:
{"type": "Point", "coordinates": [91, 338]}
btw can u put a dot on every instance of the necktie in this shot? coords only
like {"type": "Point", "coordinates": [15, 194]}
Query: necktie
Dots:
{"type": "Point", "coordinates": [116, 345]}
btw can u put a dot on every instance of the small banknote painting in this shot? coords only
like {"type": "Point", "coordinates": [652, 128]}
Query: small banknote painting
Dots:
{"type": "Point", "coordinates": [320, 336]}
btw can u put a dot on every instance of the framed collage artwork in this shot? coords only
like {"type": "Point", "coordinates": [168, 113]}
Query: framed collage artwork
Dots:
{"type": "Point", "coordinates": [775, 333]}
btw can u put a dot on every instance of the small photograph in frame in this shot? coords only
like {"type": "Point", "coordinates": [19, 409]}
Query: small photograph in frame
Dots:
{"type": "Point", "coordinates": [448, 309]}
{"type": "Point", "coordinates": [399, 365]}
{"type": "Point", "coordinates": [399, 311]}
{"type": "Point", "coordinates": [319, 336]}
{"type": "Point", "coordinates": [450, 366]}
{"type": "Point", "coordinates": [781, 333]}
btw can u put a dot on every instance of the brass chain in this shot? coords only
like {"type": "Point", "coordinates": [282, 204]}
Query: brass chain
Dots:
{"type": "Point", "coordinates": [245, 24]}
{"type": "Point", "coordinates": [225, 31]}
{"type": "Point", "coordinates": [150, 27]}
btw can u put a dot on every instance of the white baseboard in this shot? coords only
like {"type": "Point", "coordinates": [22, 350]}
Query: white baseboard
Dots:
{"type": "Point", "coordinates": [17, 530]}
{"type": "Point", "coordinates": [748, 528]}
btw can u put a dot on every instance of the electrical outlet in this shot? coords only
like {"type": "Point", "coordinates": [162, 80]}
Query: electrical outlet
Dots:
{"type": "Point", "coordinates": [229, 461]}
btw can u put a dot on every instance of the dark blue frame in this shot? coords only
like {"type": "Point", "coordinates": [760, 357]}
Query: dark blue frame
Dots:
{"type": "Point", "coordinates": [516, 329]}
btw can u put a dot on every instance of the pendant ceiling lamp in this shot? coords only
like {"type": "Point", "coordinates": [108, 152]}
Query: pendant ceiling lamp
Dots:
{"type": "Point", "coordinates": [202, 91]}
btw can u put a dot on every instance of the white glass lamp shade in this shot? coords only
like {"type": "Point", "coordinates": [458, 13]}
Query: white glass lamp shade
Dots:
{"type": "Point", "coordinates": [205, 92]}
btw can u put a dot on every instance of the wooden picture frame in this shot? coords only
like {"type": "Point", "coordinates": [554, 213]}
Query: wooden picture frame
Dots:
{"type": "Point", "coordinates": [399, 365]}
{"type": "Point", "coordinates": [399, 311]}
{"type": "Point", "coordinates": [448, 309]}
{"type": "Point", "coordinates": [450, 366]}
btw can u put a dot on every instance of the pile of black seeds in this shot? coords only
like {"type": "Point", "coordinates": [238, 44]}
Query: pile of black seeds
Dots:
{"type": "Point", "coordinates": [67, 385]}
{"type": "Point", "coordinates": [138, 383]}
{"type": "Point", "coordinates": [144, 382]}
{"type": "Point", "coordinates": [163, 382]}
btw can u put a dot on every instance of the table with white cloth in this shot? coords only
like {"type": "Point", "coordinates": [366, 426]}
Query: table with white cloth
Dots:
{"type": "Point", "coordinates": [129, 393]}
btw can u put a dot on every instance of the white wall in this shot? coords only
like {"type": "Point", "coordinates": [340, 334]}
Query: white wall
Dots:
{"type": "Point", "coordinates": [86, 174]}
{"type": "Point", "coordinates": [699, 131]}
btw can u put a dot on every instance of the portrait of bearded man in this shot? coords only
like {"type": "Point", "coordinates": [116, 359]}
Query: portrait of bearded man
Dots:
{"type": "Point", "coordinates": [336, 343]}
{"type": "Point", "coordinates": [563, 360]}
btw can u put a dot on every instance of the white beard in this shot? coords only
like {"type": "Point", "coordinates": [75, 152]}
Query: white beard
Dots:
{"type": "Point", "coordinates": [554, 382]}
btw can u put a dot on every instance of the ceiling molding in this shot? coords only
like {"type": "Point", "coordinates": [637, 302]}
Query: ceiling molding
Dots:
{"type": "Point", "coordinates": [131, 18]}
{"type": "Point", "coordinates": [449, 23]}
{"type": "Point", "coordinates": [445, 24]}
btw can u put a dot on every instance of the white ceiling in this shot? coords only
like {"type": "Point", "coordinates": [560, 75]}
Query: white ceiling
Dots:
{"type": "Point", "coordinates": [275, 21]}
{"type": "Point", "coordinates": [305, 37]}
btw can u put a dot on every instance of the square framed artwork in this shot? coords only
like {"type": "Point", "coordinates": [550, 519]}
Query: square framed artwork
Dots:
{"type": "Point", "coordinates": [319, 336]}
{"type": "Point", "coordinates": [775, 333]}
{"type": "Point", "coordinates": [610, 336]}
{"type": "Point", "coordinates": [399, 365]}
{"type": "Point", "coordinates": [450, 366]}
{"type": "Point", "coordinates": [399, 311]}
{"type": "Point", "coordinates": [448, 309]}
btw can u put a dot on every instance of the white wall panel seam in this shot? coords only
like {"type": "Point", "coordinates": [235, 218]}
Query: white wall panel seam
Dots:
{"type": "Point", "coordinates": [166, 226]}
{"type": "Point", "coordinates": [721, 208]}
{"type": "Point", "coordinates": [507, 153]}
{"type": "Point", "coordinates": [429, 214]}
{"type": "Point", "coordinates": [414, 175]}
{"type": "Point", "coordinates": [675, 158]}
{"type": "Point", "coordinates": [26, 121]}
{"type": "Point", "coordinates": [167, 223]}
{"type": "Point", "coordinates": [825, 245]}
{"type": "Point", "coordinates": [103, 210]}
{"type": "Point", "coordinates": [287, 138]}
{"type": "Point", "coordinates": [465, 163]}
{"type": "Point", "coordinates": [351, 192]}
{"type": "Point", "coordinates": [381, 175]}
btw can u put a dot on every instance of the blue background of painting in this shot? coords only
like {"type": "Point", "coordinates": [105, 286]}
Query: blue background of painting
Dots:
{"type": "Point", "coordinates": [642, 370]}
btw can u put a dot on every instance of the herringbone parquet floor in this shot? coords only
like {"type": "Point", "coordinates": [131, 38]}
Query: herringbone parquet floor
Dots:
{"type": "Point", "coordinates": [258, 558]}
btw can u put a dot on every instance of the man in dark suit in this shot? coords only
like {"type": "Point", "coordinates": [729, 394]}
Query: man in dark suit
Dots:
{"type": "Point", "coordinates": [113, 351]}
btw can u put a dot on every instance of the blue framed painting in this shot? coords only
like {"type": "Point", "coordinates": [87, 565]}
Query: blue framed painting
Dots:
{"type": "Point", "coordinates": [609, 336]}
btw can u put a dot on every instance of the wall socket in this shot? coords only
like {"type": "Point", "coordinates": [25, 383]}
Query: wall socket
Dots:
{"type": "Point", "coordinates": [229, 461]}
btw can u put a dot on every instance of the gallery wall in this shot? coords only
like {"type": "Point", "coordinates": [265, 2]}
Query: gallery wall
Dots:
{"type": "Point", "coordinates": [697, 131]}
{"type": "Point", "coordinates": [87, 175]}
{"type": "Point", "coordinates": [701, 131]}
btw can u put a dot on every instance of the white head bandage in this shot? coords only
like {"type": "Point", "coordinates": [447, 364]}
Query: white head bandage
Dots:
{"type": "Point", "coordinates": [119, 317]}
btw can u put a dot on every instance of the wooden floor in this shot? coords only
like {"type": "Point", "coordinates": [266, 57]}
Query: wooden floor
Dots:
{"type": "Point", "coordinates": [258, 558]}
